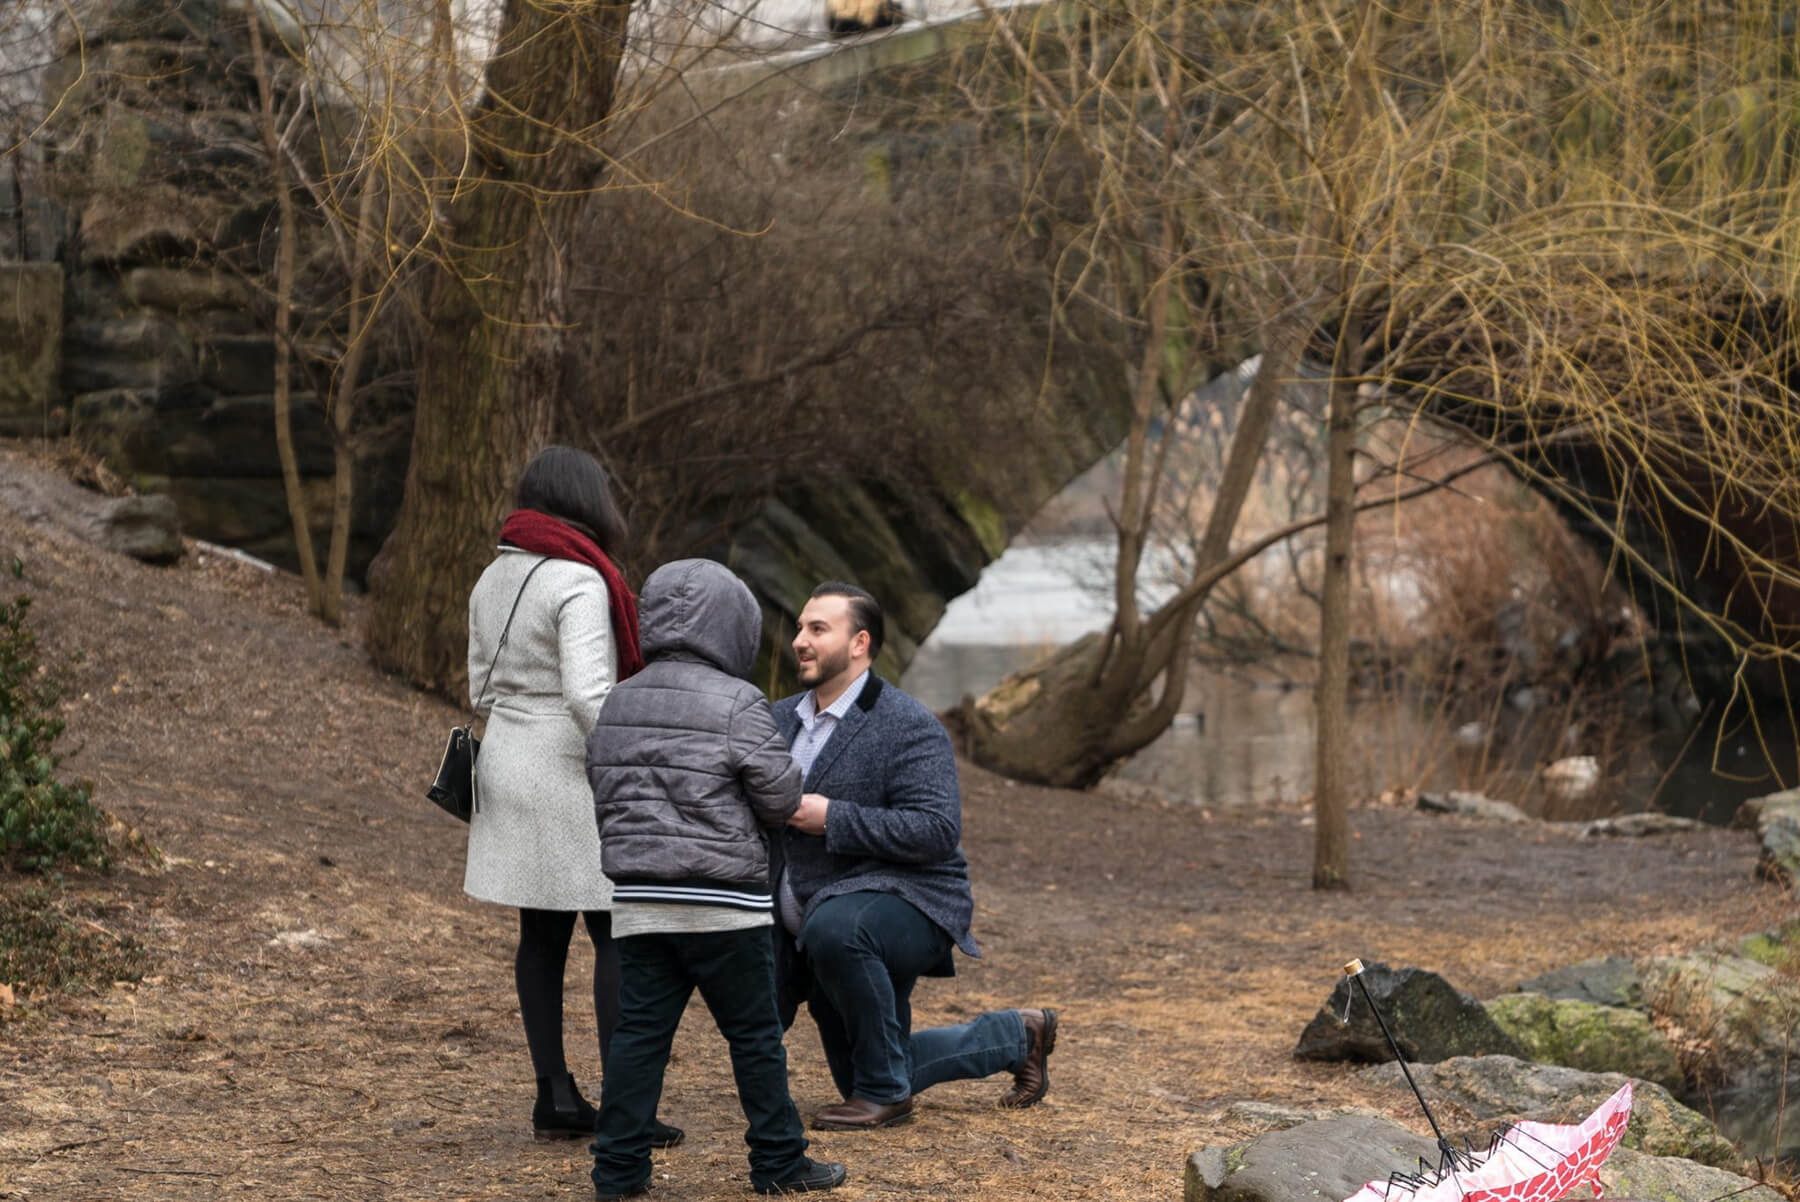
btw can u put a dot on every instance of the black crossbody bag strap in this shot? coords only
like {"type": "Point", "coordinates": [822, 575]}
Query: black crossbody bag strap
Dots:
{"type": "Point", "coordinates": [505, 630]}
{"type": "Point", "coordinates": [475, 710]}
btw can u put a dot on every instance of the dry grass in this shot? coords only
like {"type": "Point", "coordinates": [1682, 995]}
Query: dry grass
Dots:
{"type": "Point", "coordinates": [279, 775]}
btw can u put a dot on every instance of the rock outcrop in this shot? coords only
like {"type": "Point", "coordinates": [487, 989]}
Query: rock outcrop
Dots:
{"type": "Point", "coordinates": [1747, 1012]}
{"type": "Point", "coordinates": [161, 227]}
{"type": "Point", "coordinates": [144, 528]}
{"type": "Point", "coordinates": [1330, 1159]}
{"type": "Point", "coordinates": [1776, 820]}
{"type": "Point", "coordinates": [31, 326]}
{"type": "Point", "coordinates": [1587, 1036]}
{"type": "Point", "coordinates": [1430, 1019]}
{"type": "Point", "coordinates": [164, 221]}
{"type": "Point", "coordinates": [1611, 981]}
{"type": "Point", "coordinates": [1488, 1090]}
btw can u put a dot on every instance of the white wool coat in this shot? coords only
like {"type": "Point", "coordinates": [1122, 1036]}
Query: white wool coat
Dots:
{"type": "Point", "coordinates": [532, 839]}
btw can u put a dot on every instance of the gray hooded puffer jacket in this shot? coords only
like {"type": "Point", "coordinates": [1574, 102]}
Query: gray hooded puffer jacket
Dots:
{"type": "Point", "coordinates": [685, 761]}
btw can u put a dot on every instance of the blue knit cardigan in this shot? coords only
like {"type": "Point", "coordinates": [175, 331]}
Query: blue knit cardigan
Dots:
{"type": "Point", "coordinates": [895, 822]}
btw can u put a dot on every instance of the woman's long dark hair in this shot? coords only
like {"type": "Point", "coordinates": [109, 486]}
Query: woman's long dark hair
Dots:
{"type": "Point", "coordinates": [570, 484]}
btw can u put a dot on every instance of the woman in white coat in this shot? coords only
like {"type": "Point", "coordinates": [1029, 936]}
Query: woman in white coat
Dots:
{"type": "Point", "coordinates": [552, 627]}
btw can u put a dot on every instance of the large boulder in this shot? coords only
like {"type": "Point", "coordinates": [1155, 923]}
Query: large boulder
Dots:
{"type": "Point", "coordinates": [1488, 1090]}
{"type": "Point", "coordinates": [1629, 1176]}
{"type": "Point", "coordinates": [1321, 1161]}
{"type": "Point", "coordinates": [31, 326]}
{"type": "Point", "coordinates": [1599, 1039]}
{"type": "Point", "coordinates": [1264, 1117]}
{"type": "Point", "coordinates": [1747, 1013]}
{"type": "Point", "coordinates": [1331, 1159]}
{"type": "Point", "coordinates": [1776, 819]}
{"type": "Point", "coordinates": [1430, 1018]}
{"type": "Point", "coordinates": [144, 528]}
{"type": "Point", "coordinates": [1612, 981]}
{"type": "Point", "coordinates": [1720, 992]}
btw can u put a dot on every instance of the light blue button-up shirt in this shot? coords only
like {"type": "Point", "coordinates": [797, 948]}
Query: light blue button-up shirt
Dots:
{"type": "Point", "coordinates": [815, 727]}
{"type": "Point", "coordinates": [815, 730]}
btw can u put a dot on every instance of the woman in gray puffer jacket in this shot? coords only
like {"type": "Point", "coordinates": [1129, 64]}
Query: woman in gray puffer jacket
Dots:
{"type": "Point", "coordinates": [688, 770]}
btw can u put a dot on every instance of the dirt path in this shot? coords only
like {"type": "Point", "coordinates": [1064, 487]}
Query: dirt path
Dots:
{"type": "Point", "coordinates": [381, 1056]}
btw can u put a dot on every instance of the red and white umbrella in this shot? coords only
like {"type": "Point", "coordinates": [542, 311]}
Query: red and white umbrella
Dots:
{"type": "Point", "coordinates": [1529, 1162]}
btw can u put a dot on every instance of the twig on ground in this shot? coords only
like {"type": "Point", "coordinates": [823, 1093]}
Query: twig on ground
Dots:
{"type": "Point", "coordinates": [125, 1168]}
{"type": "Point", "coordinates": [79, 1143]}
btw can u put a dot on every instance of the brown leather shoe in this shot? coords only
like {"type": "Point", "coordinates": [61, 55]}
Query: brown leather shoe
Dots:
{"type": "Point", "coordinates": [860, 1114]}
{"type": "Point", "coordinates": [1031, 1080]}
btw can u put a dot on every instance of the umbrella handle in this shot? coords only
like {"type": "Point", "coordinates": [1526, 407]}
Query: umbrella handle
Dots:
{"type": "Point", "coordinates": [1354, 970]}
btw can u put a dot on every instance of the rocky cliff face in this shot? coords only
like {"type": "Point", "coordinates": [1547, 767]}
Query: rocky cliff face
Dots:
{"type": "Point", "coordinates": [150, 206]}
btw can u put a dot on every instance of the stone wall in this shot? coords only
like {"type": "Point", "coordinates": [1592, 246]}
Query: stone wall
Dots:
{"type": "Point", "coordinates": [31, 329]}
{"type": "Point", "coordinates": [164, 227]}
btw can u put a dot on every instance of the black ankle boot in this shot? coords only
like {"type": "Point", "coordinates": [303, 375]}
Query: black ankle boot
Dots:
{"type": "Point", "coordinates": [561, 1112]}
{"type": "Point", "coordinates": [664, 1136]}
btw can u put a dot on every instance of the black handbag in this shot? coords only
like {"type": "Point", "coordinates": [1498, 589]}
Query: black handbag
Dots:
{"type": "Point", "coordinates": [454, 789]}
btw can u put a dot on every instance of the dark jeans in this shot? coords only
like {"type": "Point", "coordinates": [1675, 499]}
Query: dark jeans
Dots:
{"type": "Point", "coordinates": [538, 965]}
{"type": "Point", "coordinates": [735, 974]}
{"type": "Point", "coordinates": [863, 954]}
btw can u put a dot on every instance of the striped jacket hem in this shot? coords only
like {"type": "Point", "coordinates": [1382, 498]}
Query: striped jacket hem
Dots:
{"type": "Point", "coordinates": [691, 893]}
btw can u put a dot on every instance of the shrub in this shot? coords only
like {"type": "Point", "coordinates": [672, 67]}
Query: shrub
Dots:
{"type": "Point", "coordinates": [47, 943]}
{"type": "Point", "coordinates": [44, 822]}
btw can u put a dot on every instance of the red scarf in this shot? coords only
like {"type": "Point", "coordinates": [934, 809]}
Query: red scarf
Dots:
{"type": "Point", "coordinates": [529, 530]}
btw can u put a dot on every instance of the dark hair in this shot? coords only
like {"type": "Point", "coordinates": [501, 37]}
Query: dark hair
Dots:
{"type": "Point", "coordinates": [570, 484]}
{"type": "Point", "coordinates": [865, 611]}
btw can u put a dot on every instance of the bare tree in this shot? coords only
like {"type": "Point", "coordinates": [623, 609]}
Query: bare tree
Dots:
{"type": "Point", "coordinates": [356, 106]}
{"type": "Point", "coordinates": [815, 347]}
{"type": "Point", "coordinates": [1402, 196]}
{"type": "Point", "coordinates": [501, 182]}
{"type": "Point", "coordinates": [1157, 105]}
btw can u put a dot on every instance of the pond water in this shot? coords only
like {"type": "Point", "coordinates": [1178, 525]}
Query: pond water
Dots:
{"type": "Point", "coordinates": [1243, 741]}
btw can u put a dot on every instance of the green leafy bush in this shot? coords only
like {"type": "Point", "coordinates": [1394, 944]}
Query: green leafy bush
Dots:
{"type": "Point", "coordinates": [44, 822]}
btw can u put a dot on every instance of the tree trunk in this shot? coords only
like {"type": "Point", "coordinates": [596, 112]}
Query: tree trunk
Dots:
{"type": "Point", "coordinates": [1345, 180]}
{"type": "Point", "coordinates": [345, 386]}
{"type": "Point", "coordinates": [1331, 785]}
{"type": "Point", "coordinates": [285, 237]}
{"type": "Point", "coordinates": [498, 321]}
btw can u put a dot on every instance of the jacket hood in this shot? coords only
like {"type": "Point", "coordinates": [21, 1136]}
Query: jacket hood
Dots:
{"type": "Point", "coordinates": [700, 607]}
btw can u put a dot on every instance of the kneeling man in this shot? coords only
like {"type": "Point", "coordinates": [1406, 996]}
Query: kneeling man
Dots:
{"type": "Point", "coordinates": [873, 890]}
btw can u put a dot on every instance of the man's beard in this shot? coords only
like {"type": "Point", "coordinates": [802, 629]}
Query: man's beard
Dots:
{"type": "Point", "coordinates": [824, 668]}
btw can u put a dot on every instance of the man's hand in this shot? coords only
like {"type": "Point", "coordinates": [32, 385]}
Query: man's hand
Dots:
{"type": "Point", "coordinates": [810, 817]}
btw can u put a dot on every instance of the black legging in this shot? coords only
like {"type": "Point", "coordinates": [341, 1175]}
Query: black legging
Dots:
{"type": "Point", "coordinates": [544, 937]}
